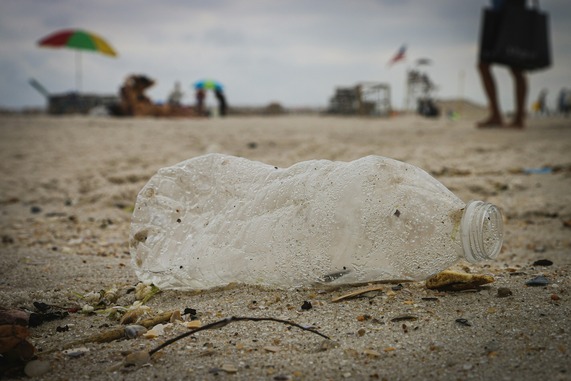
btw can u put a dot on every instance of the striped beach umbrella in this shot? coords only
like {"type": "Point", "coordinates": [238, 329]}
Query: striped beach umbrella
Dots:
{"type": "Point", "coordinates": [80, 40]}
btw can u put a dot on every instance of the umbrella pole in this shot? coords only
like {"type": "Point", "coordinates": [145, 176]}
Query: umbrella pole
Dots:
{"type": "Point", "coordinates": [78, 71]}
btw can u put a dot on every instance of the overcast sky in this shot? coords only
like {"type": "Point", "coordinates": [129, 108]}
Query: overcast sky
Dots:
{"type": "Point", "coordinates": [290, 51]}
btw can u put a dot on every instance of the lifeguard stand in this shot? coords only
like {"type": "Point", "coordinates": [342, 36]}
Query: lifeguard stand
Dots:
{"type": "Point", "coordinates": [419, 87]}
{"type": "Point", "coordinates": [365, 98]}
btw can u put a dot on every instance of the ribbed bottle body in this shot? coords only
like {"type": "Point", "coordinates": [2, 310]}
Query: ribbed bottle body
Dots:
{"type": "Point", "coordinates": [218, 219]}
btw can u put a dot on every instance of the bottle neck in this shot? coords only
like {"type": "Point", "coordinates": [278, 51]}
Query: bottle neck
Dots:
{"type": "Point", "coordinates": [482, 231]}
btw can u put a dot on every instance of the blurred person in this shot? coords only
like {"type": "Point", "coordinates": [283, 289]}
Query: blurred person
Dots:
{"type": "Point", "coordinates": [564, 102]}
{"type": "Point", "coordinates": [175, 96]}
{"type": "Point", "coordinates": [542, 103]}
{"type": "Point", "coordinates": [200, 95]}
{"type": "Point", "coordinates": [222, 106]}
{"type": "Point", "coordinates": [495, 119]}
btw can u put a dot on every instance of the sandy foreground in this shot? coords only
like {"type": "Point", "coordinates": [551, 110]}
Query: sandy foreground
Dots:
{"type": "Point", "coordinates": [68, 186]}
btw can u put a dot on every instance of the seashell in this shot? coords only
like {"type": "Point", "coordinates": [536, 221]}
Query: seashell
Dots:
{"type": "Point", "coordinates": [156, 331]}
{"type": "Point", "coordinates": [192, 324]}
{"type": "Point", "coordinates": [75, 352]}
{"type": "Point", "coordinates": [454, 281]}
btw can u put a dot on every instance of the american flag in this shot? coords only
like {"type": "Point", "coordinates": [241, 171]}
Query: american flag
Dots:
{"type": "Point", "coordinates": [399, 56]}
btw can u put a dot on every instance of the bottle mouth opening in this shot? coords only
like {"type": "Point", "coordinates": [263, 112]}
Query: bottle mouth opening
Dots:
{"type": "Point", "coordinates": [482, 231]}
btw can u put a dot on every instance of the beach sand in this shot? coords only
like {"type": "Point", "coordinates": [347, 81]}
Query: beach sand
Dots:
{"type": "Point", "coordinates": [69, 185]}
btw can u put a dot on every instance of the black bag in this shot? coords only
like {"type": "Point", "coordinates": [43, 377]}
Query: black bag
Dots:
{"type": "Point", "coordinates": [490, 23]}
{"type": "Point", "coordinates": [516, 37]}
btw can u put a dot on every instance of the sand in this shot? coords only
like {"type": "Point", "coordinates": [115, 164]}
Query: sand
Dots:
{"type": "Point", "coordinates": [69, 184]}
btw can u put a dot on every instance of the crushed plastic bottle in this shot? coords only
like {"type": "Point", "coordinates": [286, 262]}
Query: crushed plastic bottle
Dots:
{"type": "Point", "coordinates": [218, 219]}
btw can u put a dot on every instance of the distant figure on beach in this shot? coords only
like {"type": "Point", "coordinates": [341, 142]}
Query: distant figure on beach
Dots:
{"type": "Point", "coordinates": [134, 102]}
{"type": "Point", "coordinates": [541, 103]}
{"type": "Point", "coordinates": [495, 119]}
{"type": "Point", "coordinates": [216, 87]}
{"type": "Point", "coordinates": [221, 101]}
{"type": "Point", "coordinates": [175, 96]}
{"type": "Point", "coordinates": [564, 102]}
{"type": "Point", "coordinates": [200, 95]}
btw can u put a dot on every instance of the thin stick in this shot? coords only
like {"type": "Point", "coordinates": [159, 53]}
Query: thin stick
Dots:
{"type": "Point", "coordinates": [352, 294]}
{"type": "Point", "coordinates": [232, 319]}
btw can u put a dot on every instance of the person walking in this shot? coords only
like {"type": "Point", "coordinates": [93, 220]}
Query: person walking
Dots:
{"type": "Point", "coordinates": [564, 102]}
{"type": "Point", "coordinates": [222, 106]}
{"type": "Point", "coordinates": [495, 119]}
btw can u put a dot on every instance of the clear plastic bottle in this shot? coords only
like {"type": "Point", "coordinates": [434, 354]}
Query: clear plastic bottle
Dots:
{"type": "Point", "coordinates": [217, 219]}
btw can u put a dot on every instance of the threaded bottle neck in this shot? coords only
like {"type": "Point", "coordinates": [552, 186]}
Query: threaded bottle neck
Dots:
{"type": "Point", "coordinates": [482, 231]}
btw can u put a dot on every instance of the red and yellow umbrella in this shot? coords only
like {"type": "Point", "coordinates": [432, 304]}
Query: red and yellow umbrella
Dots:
{"type": "Point", "coordinates": [77, 39]}
{"type": "Point", "coordinates": [80, 40]}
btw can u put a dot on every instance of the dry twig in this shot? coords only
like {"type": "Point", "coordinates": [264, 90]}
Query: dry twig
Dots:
{"type": "Point", "coordinates": [232, 319]}
{"type": "Point", "coordinates": [352, 294]}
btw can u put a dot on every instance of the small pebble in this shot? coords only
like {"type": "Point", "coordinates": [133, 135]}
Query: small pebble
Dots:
{"type": "Point", "coordinates": [190, 311]}
{"type": "Point", "coordinates": [538, 281]}
{"type": "Point", "coordinates": [371, 353]}
{"type": "Point", "coordinates": [504, 292]}
{"type": "Point", "coordinates": [543, 262]}
{"type": "Point", "coordinates": [463, 322]}
{"type": "Point", "coordinates": [36, 368]}
{"type": "Point", "coordinates": [75, 352]}
{"type": "Point", "coordinates": [133, 331]}
{"type": "Point", "coordinates": [35, 209]}
{"type": "Point", "coordinates": [404, 318]}
{"type": "Point", "coordinates": [306, 305]}
{"type": "Point", "coordinates": [271, 348]}
{"type": "Point", "coordinates": [492, 346]}
{"type": "Point", "coordinates": [327, 344]}
{"type": "Point", "coordinates": [137, 358]}
{"type": "Point", "coordinates": [229, 368]}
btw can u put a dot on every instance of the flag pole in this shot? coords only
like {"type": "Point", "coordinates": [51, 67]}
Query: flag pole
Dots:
{"type": "Point", "coordinates": [78, 71]}
{"type": "Point", "coordinates": [461, 91]}
{"type": "Point", "coordinates": [407, 89]}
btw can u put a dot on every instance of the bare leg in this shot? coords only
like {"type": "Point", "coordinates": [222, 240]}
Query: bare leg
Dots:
{"type": "Point", "coordinates": [520, 97]}
{"type": "Point", "coordinates": [495, 118]}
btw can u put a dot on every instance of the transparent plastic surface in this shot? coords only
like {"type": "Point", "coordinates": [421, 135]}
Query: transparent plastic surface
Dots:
{"type": "Point", "coordinates": [482, 231]}
{"type": "Point", "coordinates": [217, 219]}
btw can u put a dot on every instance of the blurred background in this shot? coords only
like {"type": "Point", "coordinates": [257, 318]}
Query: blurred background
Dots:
{"type": "Point", "coordinates": [293, 53]}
